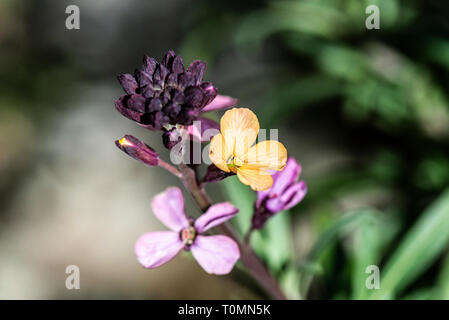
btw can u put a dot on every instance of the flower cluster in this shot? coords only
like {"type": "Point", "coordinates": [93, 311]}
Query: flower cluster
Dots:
{"type": "Point", "coordinates": [167, 97]}
{"type": "Point", "coordinates": [165, 93]}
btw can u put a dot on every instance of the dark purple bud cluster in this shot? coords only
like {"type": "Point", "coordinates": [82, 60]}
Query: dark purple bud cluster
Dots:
{"type": "Point", "coordinates": [165, 93]}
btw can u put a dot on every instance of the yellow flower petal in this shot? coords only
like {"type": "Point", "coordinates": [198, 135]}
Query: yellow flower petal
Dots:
{"type": "Point", "coordinates": [254, 177]}
{"type": "Point", "coordinates": [239, 127]}
{"type": "Point", "coordinates": [217, 152]}
{"type": "Point", "coordinates": [269, 154]}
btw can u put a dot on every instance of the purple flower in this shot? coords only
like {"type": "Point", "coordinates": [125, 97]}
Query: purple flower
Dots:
{"type": "Point", "coordinates": [220, 102]}
{"type": "Point", "coordinates": [284, 194]}
{"type": "Point", "coordinates": [216, 254]}
{"type": "Point", "coordinates": [165, 93]}
{"type": "Point", "coordinates": [138, 150]}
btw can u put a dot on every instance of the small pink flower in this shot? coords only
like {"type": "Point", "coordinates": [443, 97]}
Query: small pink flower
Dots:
{"type": "Point", "coordinates": [216, 254]}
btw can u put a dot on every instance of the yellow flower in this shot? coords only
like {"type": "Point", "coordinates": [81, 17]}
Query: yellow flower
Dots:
{"type": "Point", "coordinates": [232, 150]}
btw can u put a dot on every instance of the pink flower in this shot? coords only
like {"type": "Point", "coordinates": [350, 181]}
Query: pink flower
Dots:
{"type": "Point", "coordinates": [216, 254]}
{"type": "Point", "coordinates": [220, 102]}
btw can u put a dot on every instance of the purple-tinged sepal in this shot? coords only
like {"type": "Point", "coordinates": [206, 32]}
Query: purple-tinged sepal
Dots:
{"type": "Point", "coordinates": [138, 150]}
{"type": "Point", "coordinates": [214, 174]}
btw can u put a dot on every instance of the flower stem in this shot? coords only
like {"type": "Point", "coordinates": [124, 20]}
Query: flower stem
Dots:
{"type": "Point", "coordinates": [251, 261]}
{"type": "Point", "coordinates": [247, 237]}
{"type": "Point", "coordinates": [169, 168]}
{"type": "Point", "coordinates": [188, 177]}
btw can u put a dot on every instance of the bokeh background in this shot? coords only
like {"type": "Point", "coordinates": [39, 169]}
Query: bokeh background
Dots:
{"type": "Point", "coordinates": [366, 113]}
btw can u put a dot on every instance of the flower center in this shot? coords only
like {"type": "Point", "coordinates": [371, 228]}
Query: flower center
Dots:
{"type": "Point", "coordinates": [188, 235]}
{"type": "Point", "coordinates": [234, 163]}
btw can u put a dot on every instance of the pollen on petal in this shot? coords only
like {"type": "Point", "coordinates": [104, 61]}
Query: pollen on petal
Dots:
{"type": "Point", "coordinates": [138, 150]}
{"type": "Point", "coordinates": [124, 142]}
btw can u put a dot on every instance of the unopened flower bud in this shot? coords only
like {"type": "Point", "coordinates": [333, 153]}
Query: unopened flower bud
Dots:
{"type": "Point", "coordinates": [138, 150]}
{"type": "Point", "coordinates": [171, 138]}
{"type": "Point", "coordinates": [214, 174]}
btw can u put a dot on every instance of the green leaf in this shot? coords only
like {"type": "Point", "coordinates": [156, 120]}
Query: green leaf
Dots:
{"type": "Point", "coordinates": [366, 246]}
{"type": "Point", "coordinates": [423, 294]}
{"type": "Point", "coordinates": [443, 280]}
{"type": "Point", "coordinates": [243, 198]}
{"type": "Point", "coordinates": [420, 247]}
{"type": "Point", "coordinates": [328, 237]}
{"type": "Point", "coordinates": [312, 264]}
{"type": "Point", "coordinates": [274, 241]}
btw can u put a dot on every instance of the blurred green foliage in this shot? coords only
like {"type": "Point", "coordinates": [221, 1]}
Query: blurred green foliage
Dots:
{"type": "Point", "coordinates": [386, 92]}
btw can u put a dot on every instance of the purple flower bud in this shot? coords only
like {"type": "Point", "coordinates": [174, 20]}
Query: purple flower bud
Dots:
{"type": "Point", "coordinates": [136, 102]}
{"type": "Point", "coordinates": [154, 105]}
{"type": "Point", "coordinates": [168, 58]}
{"type": "Point", "coordinates": [194, 96]}
{"type": "Point", "coordinates": [210, 92]}
{"type": "Point", "coordinates": [284, 194]}
{"type": "Point", "coordinates": [177, 65]}
{"type": "Point", "coordinates": [143, 78]}
{"type": "Point", "coordinates": [186, 80]}
{"type": "Point", "coordinates": [165, 93]}
{"type": "Point", "coordinates": [197, 69]}
{"type": "Point", "coordinates": [128, 83]}
{"type": "Point", "coordinates": [171, 138]}
{"type": "Point", "coordinates": [138, 150]}
{"type": "Point", "coordinates": [121, 106]}
{"type": "Point", "coordinates": [149, 65]}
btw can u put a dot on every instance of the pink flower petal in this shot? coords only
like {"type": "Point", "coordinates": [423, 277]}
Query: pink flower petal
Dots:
{"type": "Point", "coordinates": [215, 215]}
{"type": "Point", "coordinates": [153, 249]}
{"type": "Point", "coordinates": [220, 102]}
{"type": "Point", "coordinates": [275, 204]}
{"type": "Point", "coordinates": [215, 254]}
{"type": "Point", "coordinates": [281, 180]}
{"type": "Point", "coordinates": [168, 207]}
{"type": "Point", "coordinates": [203, 129]}
{"type": "Point", "coordinates": [294, 194]}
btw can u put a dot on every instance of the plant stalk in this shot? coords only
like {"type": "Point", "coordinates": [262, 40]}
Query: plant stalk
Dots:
{"type": "Point", "coordinates": [251, 261]}
{"type": "Point", "coordinates": [169, 168]}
